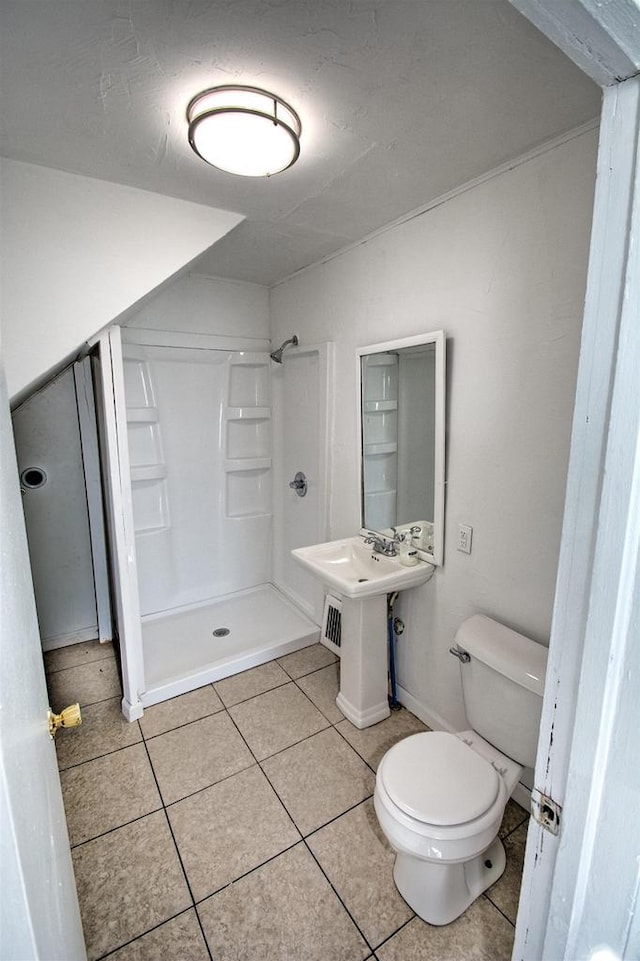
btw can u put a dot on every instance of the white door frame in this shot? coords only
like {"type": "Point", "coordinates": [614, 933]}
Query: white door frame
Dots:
{"type": "Point", "coordinates": [580, 887]}
{"type": "Point", "coordinates": [93, 484]}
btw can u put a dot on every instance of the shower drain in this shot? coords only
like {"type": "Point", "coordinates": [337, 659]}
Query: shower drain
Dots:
{"type": "Point", "coordinates": [221, 632]}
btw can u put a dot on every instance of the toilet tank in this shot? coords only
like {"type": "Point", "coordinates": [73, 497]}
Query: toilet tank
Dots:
{"type": "Point", "coordinates": [502, 684]}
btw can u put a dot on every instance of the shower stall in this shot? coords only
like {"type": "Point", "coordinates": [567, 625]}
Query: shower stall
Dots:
{"type": "Point", "coordinates": [197, 434]}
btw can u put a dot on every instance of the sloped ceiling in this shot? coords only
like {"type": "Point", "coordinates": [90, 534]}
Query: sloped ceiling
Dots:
{"type": "Point", "coordinates": [400, 100]}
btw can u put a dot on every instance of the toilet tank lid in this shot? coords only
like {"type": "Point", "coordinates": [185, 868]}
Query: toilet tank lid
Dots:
{"type": "Point", "coordinates": [515, 656]}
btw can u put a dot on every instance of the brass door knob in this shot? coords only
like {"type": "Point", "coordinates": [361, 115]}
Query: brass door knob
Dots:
{"type": "Point", "coordinates": [70, 717]}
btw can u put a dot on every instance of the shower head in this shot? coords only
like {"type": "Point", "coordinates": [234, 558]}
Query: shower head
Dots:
{"type": "Point", "coordinates": [277, 354]}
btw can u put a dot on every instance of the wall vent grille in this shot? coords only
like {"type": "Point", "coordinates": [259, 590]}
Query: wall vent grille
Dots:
{"type": "Point", "coordinates": [331, 635]}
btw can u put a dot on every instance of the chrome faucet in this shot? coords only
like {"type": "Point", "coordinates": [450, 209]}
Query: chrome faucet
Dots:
{"type": "Point", "coordinates": [382, 545]}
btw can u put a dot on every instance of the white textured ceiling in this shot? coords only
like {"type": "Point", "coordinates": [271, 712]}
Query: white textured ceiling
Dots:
{"type": "Point", "coordinates": [400, 100]}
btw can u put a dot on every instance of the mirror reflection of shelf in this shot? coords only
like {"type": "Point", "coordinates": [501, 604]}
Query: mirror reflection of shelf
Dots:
{"type": "Point", "coordinates": [380, 382]}
{"type": "Point", "coordinates": [380, 427]}
{"type": "Point", "coordinates": [373, 450]}
{"type": "Point", "coordinates": [380, 438]}
{"type": "Point", "coordinates": [379, 406]}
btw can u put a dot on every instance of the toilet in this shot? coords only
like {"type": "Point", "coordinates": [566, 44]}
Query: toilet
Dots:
{"type": "Point", "coordinates": [440, 797]}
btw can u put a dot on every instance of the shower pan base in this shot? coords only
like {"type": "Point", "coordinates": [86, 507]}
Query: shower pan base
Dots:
{"type": "Point", "coordinates": [187, 648]}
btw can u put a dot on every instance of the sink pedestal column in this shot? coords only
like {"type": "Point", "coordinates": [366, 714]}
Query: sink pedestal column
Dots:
{"type": "Point", "coordinates": [363, 697]}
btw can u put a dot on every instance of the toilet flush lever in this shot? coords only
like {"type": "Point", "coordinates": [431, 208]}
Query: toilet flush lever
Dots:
{"type": "Point", "coordinates": [299, 484]}
{"type": "Point", "coordinates": [460, 654]}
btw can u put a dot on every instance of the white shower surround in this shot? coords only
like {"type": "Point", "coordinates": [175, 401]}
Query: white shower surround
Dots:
{"type": "Point", "coordinates": [200, 470]}
{"type": "Point", "coordinates": [181, 651]}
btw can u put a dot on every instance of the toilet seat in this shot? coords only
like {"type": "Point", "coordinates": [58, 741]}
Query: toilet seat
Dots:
{"type": "Point", "coordinates": [437, 779]}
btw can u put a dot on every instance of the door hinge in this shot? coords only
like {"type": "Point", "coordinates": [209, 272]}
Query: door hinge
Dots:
{"type": "Point", "coordinates": [546, 811]}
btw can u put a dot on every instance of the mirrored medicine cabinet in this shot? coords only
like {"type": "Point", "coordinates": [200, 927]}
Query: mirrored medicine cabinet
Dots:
{"type": "Point", "coordinates": [401, 392]}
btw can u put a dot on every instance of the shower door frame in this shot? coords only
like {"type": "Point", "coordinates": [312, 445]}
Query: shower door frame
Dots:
{"type": "Point", "coordinates": [119, 511]}
{"type": "Point", "coordinates": [118, 494]}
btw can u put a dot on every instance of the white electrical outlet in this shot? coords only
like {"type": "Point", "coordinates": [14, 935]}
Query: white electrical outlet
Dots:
{"type": "Point", "coordinates": [464, 538]}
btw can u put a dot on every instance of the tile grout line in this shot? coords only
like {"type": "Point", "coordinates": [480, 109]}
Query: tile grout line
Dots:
{"type": "Point", "coordinates": [306, 674]}
{"type": "Point", "coordinates": [207, 787]}
{"type": "Point", "coordinates": [246, 874]}
{"type": "Point", "coordinates": [328, 719]}
{"type": "Point", "coordinates": [363, 759]}
{"type": "Point", "coordinates": [70, 667]}
{"type": "Point", "coordinates": [177, 849]}
{"type": "Point", "coordinates": [330, 883]}
{"type": "Point", "coordinates": [155, 927]}
{"type": "Point", "coordinates": [265, 775]}
{"type": "Point", "coordinates": [102, 700]}
{"type": "Point", "coordinates": [179, 727]}
{"type": "Point", "coordinates": [50, 674]}
{"type": "Point", "coordinates": [98, 757]}
{"type": "Point", "coordinates": [498, 909]}
{"type": "Point", "coordinates": [337, 817]}
{"type": "Point", "coordinates": [105, 834]}
{"type": "Point", "coordinates": [243, 700]}
{"type": "Point", "coordinates": [397, 931]}
{"type": "Point", "coordinates": [516, 828]}
{"type": "Point", "coordinates": [286, 748]}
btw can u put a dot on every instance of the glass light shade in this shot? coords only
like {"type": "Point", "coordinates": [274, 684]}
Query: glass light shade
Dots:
{"type": "Point", "coordinates": [244, 130]}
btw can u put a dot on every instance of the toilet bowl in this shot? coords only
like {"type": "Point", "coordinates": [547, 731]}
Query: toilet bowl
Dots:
{"type": "Point", "coordinates": [440, 797]}
{"type": "Point", "coordinates": [440, 805]}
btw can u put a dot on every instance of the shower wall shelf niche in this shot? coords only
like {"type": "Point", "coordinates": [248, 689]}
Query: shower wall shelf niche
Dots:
{"type": "Point", "coordinates": [247, 426]}
{"type": "Point", "coordinates": [147, 468]}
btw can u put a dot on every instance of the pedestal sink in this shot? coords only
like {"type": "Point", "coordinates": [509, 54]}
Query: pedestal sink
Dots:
{"type": "Point", "coordinates": [363, 578]}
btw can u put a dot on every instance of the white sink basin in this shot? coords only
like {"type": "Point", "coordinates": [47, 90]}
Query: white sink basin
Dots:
{"type": "Point", "coordinates": [352, 568]}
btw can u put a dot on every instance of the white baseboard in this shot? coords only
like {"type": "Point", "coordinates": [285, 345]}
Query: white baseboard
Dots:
{"type": "Point", "coordinates": [64, 640]}
{"type": "Point", "coordinates": [431, 718]}
{"type": "Point", "coordinates": [521, 794]}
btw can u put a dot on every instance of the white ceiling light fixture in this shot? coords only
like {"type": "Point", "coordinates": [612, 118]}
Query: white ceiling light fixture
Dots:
{"type": "Point", "coordinates": [244, 130]}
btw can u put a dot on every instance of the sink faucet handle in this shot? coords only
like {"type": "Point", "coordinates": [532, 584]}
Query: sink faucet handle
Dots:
{"type": "Point", "coordinates": [381, 544]}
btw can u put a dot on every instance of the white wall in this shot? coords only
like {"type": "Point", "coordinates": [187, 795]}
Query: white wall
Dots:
{"type": "Point", "coordinates": [47, 435]}
{"type": "Point", "coordinates": [77, 253]}
{"type": "Point", "coordinates": [199, 304]}
{"type": "Point", "coordinates": [501, 268]}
